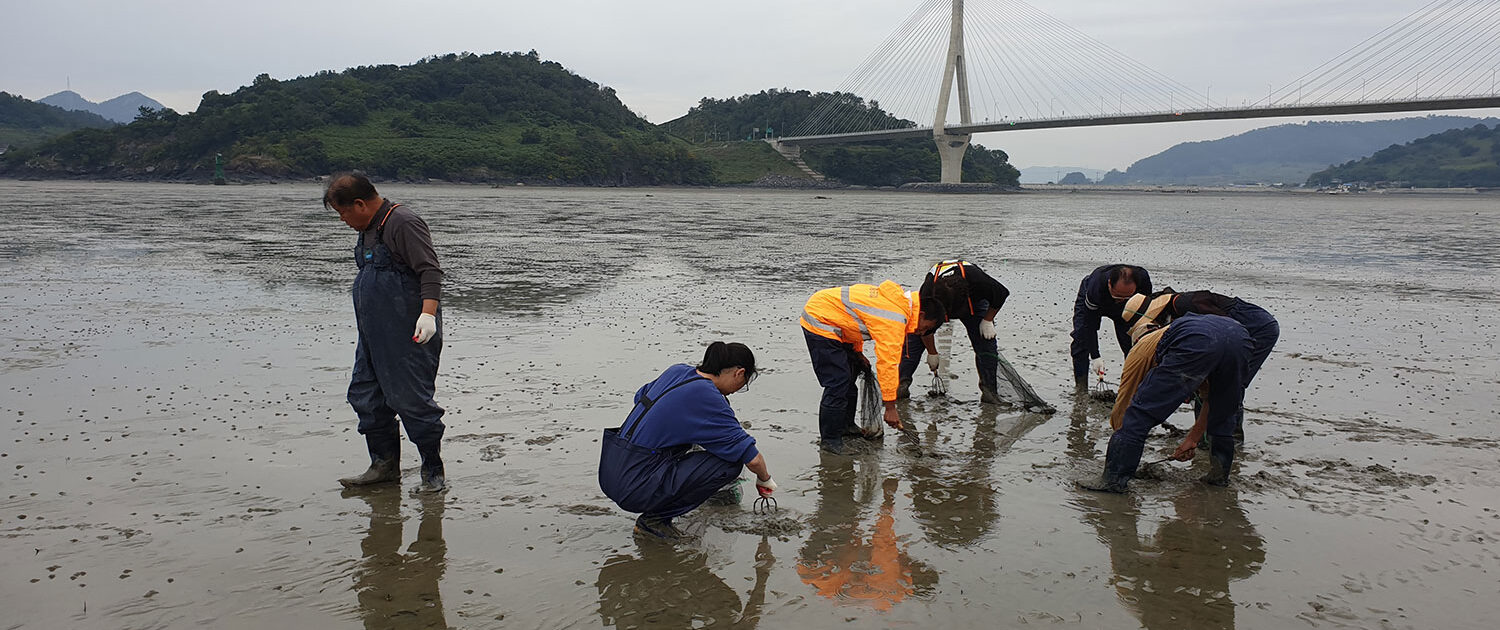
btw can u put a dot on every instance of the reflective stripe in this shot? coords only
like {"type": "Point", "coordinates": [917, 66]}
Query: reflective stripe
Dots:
{"type": "Point", "coordinates": [880, 312]}
{"type": "Point", "coordinates": [808, 319]}
{"type": "Point", "coordinates": [864, 330]}
{"type": "Point", "coordinates": [946, 267]}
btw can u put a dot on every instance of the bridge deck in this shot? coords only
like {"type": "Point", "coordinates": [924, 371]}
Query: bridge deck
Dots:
{"type": "Point", "coordinates": [1367, 107]}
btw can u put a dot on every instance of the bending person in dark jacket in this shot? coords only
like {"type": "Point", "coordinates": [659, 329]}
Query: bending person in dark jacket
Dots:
{"type": "Point", "coordinates": [973, 297]}
{"type": "Point", "coordinates": [648, 464]}
{"type": "Point", "coordinates": [1100, 295]}
{"type": "Point", "coordinates": [1206, 354]}
{"type": "Point", "coordinates": [1141, 312]}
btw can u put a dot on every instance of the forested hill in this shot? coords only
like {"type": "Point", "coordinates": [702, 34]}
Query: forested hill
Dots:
{"type": "Point", "coordinates": [1458, 158]}
{"type": "Point", "coordinates": [890, 163]}
{"type": "Point", "coordinates": [1283, 153]}
{"type": "Point", "coordinates": [495, 117]}
{"type": "Point", "coordinates": [24, 122]}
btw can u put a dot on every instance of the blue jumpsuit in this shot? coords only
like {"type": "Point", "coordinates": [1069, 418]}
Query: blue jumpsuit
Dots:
{"type": "Point", "coordinates": [392, 374]}
{"type": "Point", "coordinates": [1193, 350]}
{"type": "Point", "coordinates": [646, 465]}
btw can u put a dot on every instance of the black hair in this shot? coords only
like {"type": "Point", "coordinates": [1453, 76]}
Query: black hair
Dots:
{"type": "Point", "coordinates": [721, 356]}
{"type": "Point", "coordinates": [933, 309]}
{"type": "Point", "coordinates": [1119, 273]}
{"type": "Point", "coordinates": [951, 291]}
{"type": "Point", "coordinates": [344, 188]}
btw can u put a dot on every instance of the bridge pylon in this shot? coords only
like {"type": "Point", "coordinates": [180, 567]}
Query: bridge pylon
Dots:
{"type": "Point", "coordinates": [951, 147]}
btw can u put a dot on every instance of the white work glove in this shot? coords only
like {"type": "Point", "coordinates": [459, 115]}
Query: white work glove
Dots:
{"type": "Point", "coordinates": [933, 361]}
{"type": "Point", "coordinates": [986, 329]}
{"type": "Point", "coordinates": [1098, 368]}
{"type": "Point", "coordinates": [426, 328]}
{"type": "Point", "coordinates": [765, 488]}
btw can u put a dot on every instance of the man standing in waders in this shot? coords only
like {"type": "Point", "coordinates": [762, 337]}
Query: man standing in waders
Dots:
{"type": "Point", "coordinates": [396, 309]}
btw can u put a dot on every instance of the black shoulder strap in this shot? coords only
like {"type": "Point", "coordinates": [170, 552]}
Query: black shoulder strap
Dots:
{"type": "Point", "coordinates": [649, 402]}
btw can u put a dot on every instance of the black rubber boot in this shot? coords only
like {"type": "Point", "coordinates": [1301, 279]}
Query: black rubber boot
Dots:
{"type": "Point", "coordinates": [831, 426]}
{"type": "Point", "coordinates": [385, 461]}
{"type": "Point", "coordinates": [903, 389]}
{"type": "Point", "coordinates": [988, 395]}
{"type": "Point", "coordinates": [1117, 472]}
{"type": "Point", "coordinates": [433, 480]}
{"type": "Point", "coordinates": [1220, 460]}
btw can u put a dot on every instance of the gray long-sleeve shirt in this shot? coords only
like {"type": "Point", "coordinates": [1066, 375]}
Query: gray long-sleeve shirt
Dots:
{"type": "Point", "coordinates": [410, 243]}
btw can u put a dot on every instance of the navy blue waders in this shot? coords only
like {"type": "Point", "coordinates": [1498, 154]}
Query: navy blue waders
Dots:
{"type": "Point", "coordinates": [393, 375]}
{"type": "Point", "coordinates": [658, 483]}
{"type": "Point", "coordinates": [1194, 350]}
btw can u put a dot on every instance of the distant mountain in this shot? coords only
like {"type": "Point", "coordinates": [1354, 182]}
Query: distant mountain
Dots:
{"type": "Point", "coordinates": [1455, 158]}
{"type": "Point", "coordinates": [501, 117]}
{"type": "Point", "coordinates": [24, 122]}
{"type": "Point", "coordinates": [121, 109]}
{"type": "Point", "coordinates": [1052, 174]}
{"type": "Point", "coordinates": [1283, 153]}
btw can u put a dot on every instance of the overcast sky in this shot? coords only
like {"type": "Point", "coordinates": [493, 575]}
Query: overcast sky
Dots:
{"type": "Point", "coordinates": [662, 56]}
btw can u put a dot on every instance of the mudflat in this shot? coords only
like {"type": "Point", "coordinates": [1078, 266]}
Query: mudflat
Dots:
{"type": "Point", "coordinates": [175, 359]}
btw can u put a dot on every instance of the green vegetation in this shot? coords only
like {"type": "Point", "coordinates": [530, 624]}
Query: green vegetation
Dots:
{"type": "Point", "coordinates": [746, 162]}
{"type": "Point", "coordinates": [497, 117]}
{"type": "Point", "coordinates": [1283, 153]}
{"type": "Point", "coordinates": [24, 122]}
{"type": "Point", "coordinates": [502, 117]}
{"type": "Point", "coordinates": [1456, 158]}
{"type": "Point", "coordinates": [889, 163]}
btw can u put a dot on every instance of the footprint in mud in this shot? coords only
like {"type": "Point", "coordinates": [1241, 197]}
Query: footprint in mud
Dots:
{"type": "Point", "coordinates": [584, 509]}
{"type": "Point", "coordinates": [1363, 476]}
{"type": "Point", "coordinates": [741, 520]}
{"type": "Point", "coordinates": [543, 440]}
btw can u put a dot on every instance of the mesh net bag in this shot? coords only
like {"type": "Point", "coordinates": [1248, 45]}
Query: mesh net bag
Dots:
{"type": "Point", "coordinates": [1011, 387]}
{"type": "Point", "coordinates": [870, 407]}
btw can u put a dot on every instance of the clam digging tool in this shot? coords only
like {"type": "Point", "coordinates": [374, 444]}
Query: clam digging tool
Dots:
{"type": "Point", "coordinates": [763, 505]}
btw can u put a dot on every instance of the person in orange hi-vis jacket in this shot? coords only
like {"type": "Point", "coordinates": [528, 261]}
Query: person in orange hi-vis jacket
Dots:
{"type": "Point", "coordinates": [836, 323]}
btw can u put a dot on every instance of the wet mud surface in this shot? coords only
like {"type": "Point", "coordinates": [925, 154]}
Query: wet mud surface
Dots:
{"type": "Point", "coordinates": [175, 360]}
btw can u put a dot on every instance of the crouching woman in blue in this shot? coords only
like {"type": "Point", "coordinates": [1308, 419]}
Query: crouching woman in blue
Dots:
{"type": "Point", "coordinates": [648, 465]}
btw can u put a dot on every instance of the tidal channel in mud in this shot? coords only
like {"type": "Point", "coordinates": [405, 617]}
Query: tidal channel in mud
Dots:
{"type": "Point", "coordinates": [175, 358]}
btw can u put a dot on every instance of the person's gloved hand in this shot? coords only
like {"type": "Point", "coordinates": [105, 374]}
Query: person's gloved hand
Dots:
{"type": "Point", "coordinates": [426, 328]}
{"type": "Point", "coordinates": [1099, 369]}
{"type": "Point", "coordinates": [986, 329]}
{"type": "Point", "coordinates": [765, 488]}
{"type": "Point", "coordinates": [933, 361]}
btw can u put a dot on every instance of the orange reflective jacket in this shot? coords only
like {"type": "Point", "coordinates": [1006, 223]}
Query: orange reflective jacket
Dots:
{"type": "Point", "coordinates": [885, 314]}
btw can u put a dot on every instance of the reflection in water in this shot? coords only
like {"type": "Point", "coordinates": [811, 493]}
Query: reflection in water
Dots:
{"type": "Point", "coordinates": [1178, 576]}
{"type": "Point", "coordinates": [839, 561]}
{"type": "Point", "coordinates": [667, 587]}
{"type": "Point", "coordinates": [955, 505]}
{"type": "Point", "coordinates": [396, 589]}
{"type": "Point", "coordinates": [1088, 417]}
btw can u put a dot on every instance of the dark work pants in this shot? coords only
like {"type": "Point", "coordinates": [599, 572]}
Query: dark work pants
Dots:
{"type": "Point", "coordinates": [836, 364]}
{"type": "Point", "coordinates": [660, 484]}
{"type": "Point", "coordinates": [1264, 331]}
{"type": "Point", "coordinates": [1194, 350]}
{"type": "Point", "coordinates": [986, 353]}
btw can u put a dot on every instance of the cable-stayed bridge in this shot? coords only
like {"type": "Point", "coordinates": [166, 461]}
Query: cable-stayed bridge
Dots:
{"type": "Point", "coordinates": [1012, 67]}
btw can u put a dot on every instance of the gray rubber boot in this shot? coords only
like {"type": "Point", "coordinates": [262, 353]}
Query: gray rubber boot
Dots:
{"type": "Point", "coordinates": [385, 461]}
{"type": "Point", "coordinates": [988, 395]}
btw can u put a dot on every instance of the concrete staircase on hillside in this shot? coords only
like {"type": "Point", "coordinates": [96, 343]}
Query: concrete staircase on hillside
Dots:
{"type": "Point", "coordinates": [793, 154]}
